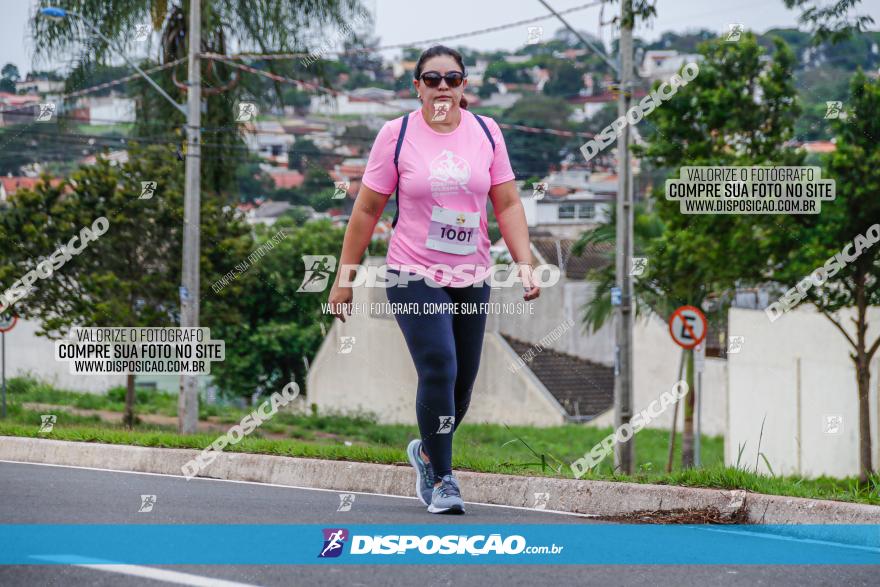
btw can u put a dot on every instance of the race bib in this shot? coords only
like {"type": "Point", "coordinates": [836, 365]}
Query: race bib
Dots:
{"type": "Point", "coordinates": [452, 231]}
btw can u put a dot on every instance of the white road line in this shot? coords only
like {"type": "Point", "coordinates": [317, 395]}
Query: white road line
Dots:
{"type": "Point", "coordinates": [165, 575]}
{"type": "Point", "coordinates": [337, 491]}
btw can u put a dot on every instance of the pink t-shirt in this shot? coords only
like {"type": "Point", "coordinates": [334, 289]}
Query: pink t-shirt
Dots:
{"type": "Point", "coordinates": [444, 183]}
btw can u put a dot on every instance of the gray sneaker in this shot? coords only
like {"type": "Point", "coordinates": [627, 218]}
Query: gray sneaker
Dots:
{"type": "Point", "coordinates": [446, 498]}
{"type": "Point", "coordinates": [424, 471]}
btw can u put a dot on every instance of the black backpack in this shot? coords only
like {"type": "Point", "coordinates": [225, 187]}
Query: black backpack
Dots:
{"type": "Point", "coordinates": [403, 124]}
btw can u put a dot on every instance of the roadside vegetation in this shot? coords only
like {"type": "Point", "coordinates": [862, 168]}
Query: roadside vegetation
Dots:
{"type": "Point", "coordinates": [489, 448]}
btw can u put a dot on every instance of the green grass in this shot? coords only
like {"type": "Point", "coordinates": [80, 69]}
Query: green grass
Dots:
{"type": "Point", "coordinates": [104, 129]}
{"type": "Point", "coordinates": [486, 448]}
{"type": "Point", "coordinates": [29, 390]}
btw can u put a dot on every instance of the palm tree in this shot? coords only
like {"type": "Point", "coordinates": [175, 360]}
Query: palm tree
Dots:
{"type": "Point", "coordinates": [264, 27]}
{"type": "Point", "coordinates": [670, 279]}
{"type": "Point", "coordinates": [271, 26]}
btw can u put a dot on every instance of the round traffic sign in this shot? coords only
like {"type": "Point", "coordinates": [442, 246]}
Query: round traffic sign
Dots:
{"type": "Point", "coordinates": [688, 327]}
{"type": "Point", "coordinates": [7, 322]}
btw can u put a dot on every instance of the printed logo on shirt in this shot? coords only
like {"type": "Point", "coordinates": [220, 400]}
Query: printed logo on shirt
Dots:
{"type": "Point", "coordinates": [450, 174]}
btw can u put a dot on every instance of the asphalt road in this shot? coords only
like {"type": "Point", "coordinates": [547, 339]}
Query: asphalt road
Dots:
{"type": "Point", "coordinates": [40, 494]}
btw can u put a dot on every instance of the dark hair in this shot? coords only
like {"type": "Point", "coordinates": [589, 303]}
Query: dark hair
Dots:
{"type": "Point", "coordinates": [436, 51]}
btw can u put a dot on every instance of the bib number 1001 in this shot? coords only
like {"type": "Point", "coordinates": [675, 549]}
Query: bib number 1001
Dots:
{"type": "Point", "coordinates": [451, 233]}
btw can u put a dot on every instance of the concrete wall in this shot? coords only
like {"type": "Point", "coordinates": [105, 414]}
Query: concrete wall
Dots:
{"type": "Point", "coordinates": [656, 355]}
{"type": "Point", "coordinates": [557, 304]}
{"type": "Point", "coordinates": [656, 365]}
{"type": "Point", "coordinates": [795, 372]}
{"type": "Point", "coordinates": [378, 375]}
{"type": "Point", "coordinates": [29, 354]}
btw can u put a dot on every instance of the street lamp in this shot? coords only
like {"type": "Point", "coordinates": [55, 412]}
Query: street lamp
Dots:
{"type": "Point", "coordinates": [188, 401]}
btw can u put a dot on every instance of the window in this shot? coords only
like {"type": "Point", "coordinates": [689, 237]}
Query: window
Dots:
{"type": "Point", "coordinates": [566, 211]}
{"type": "Point", "coordinates": [586, 210]}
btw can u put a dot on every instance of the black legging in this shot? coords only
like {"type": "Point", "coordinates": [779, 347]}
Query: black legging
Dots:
{"type": "Point", "coordinates": [445, 348]}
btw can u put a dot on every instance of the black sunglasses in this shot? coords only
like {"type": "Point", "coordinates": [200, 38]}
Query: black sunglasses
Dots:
{"type": "Point", "coordinates": [432, 78]}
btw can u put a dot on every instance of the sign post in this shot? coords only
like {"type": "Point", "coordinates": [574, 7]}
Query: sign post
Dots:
{"type": "Point", "coordinates": [7, 323]}
{"type": "Point", "coordinates": [700, 364]}
{"type": "Point", "coordinates": [688, 327]}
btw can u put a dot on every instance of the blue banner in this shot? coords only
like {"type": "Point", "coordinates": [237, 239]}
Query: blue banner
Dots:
{"type": "Point", "coordinates": [556, 544]}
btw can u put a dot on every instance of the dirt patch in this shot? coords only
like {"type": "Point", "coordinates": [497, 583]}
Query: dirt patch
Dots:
{"type": "Point", "coordinates": [682, 516]}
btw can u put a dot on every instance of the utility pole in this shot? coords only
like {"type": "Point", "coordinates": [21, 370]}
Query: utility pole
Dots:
{"type": "Point", "coordinates": [188, 401]}
{"type": "Point", "coordinates": [623, 397]}
{"type": "Point", "coordinates": [624, 452]}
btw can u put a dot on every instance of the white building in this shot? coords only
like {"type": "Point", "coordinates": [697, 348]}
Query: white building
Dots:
{"type": "Point", "coordinates": [368, 101]}
{"type": "Point", "coordinates": [38, 86]}
{"type": "Point", "coordinates": [579, 209]}
{"type": "Point", "coordinates": [105, 110]}
{"type": "Point", "coordinates": [269, 140]}
{"type": "Point", "coordinates": [30, 355]}
{"type": "Point", "coordinates": [662, 64]}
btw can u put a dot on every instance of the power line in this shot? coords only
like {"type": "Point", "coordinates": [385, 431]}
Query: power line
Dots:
{"type": "Point", "coordinates": [421, 42]}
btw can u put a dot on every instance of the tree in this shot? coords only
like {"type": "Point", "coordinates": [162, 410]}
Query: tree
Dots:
{"type": "Point", "coordinates": [487, 89]}
{"type": "Point", "coordinates": [535, 153]}
{"type": "Point", "coordinates": [8, 76]}
{"type": "Point", "coordinates": [565, 80]}
{"type": "Point", "coordinates": [300, 100]}
{"type": "Point", "coordinates": [304, 151]}
{"type": "Point", "coordinates": [830, 21]}
{"type": "Point", "coordinates": [252, 181]}
{"type": "Point", "coordinates": [270, 26]}
{"type": "Point", "coordinates": [358, 135]}
{"type": "Point", "coordinates": [717, 119]}
{"type": "Point", "coordinates": [511, 73]}
{"type": "Point", "coordinates": [128, 276]}
{"type": "Point", "coordinates": [804, 243]}
{"type": "Point", "coordinates": [277, 330]}
{"type": "Point", "coordinates": [318, 188]}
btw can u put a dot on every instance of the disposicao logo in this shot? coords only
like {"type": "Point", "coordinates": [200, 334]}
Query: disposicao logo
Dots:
{"type": "Point", "coordinates": [334, 540]}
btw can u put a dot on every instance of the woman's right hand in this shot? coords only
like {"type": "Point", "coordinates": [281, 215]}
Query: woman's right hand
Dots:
{"type": "Point", "coordinates": [340, 301]}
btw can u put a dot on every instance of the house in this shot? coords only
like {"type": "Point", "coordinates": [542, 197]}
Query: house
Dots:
{"type": "Point", "coordinates": [104, 110]}
{"type": "Point", "coordinates": [269, 140]}
{"type": "Point", "coordinates": [818, 146]}
{"type": "Point", "coordinates": [10, 184]}
{"type": "Point", "coordinates": [286, 178]}
{"type": "Point", "coordinates": [574, 201]}
{"type": "Point", "coordinates": [15, 109]}
{"type": "Point", "coordinates": [363, 101]}
{"type": "Point", "coordinates": [266, 212]}
{"type": "Point", "coordinates": [401, 67]}
{"type": "Point", "coordinates": [38, 85]}
{"type": "Point", "coordinates": [476, 72]}
{"type": "Point", "coordinates": [115, 158]}
{"type": "Point", "coordinates": [662, 64]}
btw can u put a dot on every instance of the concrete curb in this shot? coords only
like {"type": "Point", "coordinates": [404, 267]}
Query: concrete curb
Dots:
{"type": "Point", "coordinates": [597, 498]}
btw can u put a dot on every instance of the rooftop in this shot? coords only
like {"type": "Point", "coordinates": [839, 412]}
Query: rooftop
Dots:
{"type": "Point", "coordinates": [583, 388]}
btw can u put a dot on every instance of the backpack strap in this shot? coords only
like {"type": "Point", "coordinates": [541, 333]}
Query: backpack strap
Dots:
{"type": "Point", "coordinates": [400, 136]}
{"type": "Point", "coordinates": [486, 130]}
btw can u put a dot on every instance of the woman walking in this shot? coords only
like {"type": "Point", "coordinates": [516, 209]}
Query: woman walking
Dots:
{"type": "Point", "coordinates": [443, 161]}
